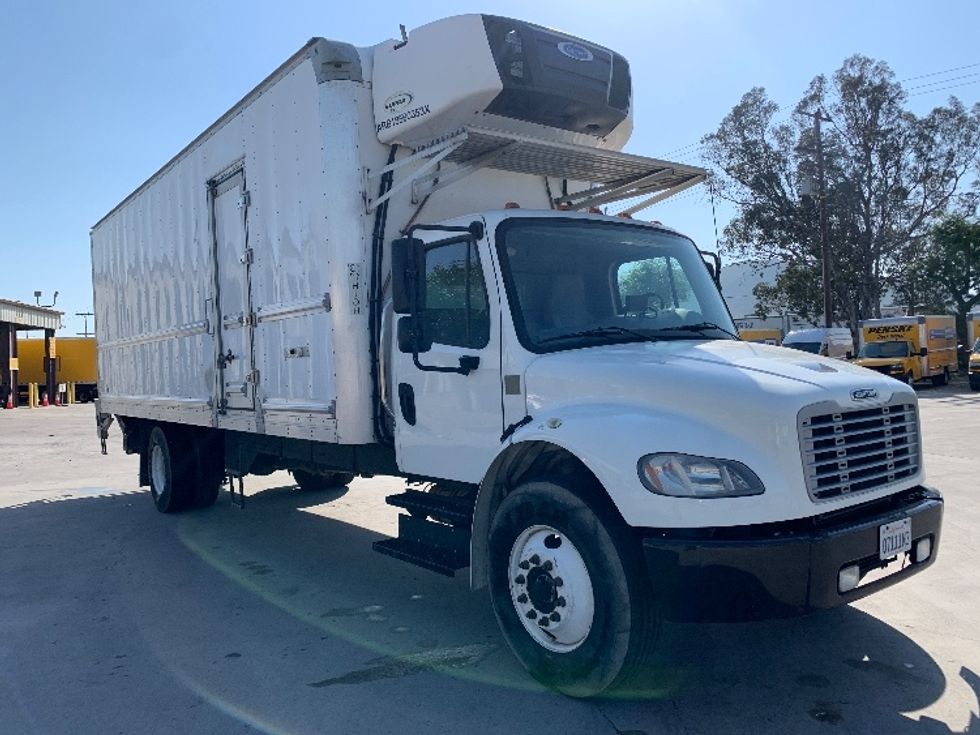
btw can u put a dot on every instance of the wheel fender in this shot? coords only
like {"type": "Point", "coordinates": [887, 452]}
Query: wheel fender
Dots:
{"type": "Point", "coordinates": [608, 439]}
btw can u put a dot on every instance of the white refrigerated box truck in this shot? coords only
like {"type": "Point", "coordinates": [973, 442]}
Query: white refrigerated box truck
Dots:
{"type": "Point", "coordinates": [334, 279]}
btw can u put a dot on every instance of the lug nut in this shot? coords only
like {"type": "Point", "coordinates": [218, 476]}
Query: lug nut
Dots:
{"type": "Point", "coordinates": [525, 565]}
{"type": "Point", "coordinates": [532, 614]}
{"type": "Point", "coordinates": [535, 560]}
{"type": "Point", "coordinates": [560, 602]}
{"type": "Point", "coordinates": [555, 617]}
{"type": "Point", "coordinates": [547, 566]}
{"type": "Point", "coordinates": [522, 598]}
{"type": "Point", "coordinates": [543, 622]}
{"type": "Point", "coordinates": [520, 579]}
{"type": "Point", "coordinates": [559, 581]}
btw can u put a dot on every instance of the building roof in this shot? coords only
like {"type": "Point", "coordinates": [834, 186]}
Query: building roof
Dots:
{"type": "Point", "coordinates": [29, 316]}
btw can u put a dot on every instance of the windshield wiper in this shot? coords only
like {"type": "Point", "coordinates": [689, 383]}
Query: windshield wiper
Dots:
{"type": "Point", "coordinates": [601, 332]}
{"type": "Point", "coordinates": [699, 328]}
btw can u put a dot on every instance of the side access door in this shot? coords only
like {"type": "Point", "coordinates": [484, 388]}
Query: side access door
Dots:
{"type": "Point", "coordinates": [236, 319]}
{"type": "Point", "coordinates": [447, 423]}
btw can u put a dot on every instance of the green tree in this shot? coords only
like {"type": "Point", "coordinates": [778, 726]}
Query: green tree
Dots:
{"type": "Point", "coordinates": [952, 262]}
{"type": "Point", "coordinates": [889, 175]}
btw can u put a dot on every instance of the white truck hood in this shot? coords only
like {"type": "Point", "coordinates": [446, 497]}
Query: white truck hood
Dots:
{"type": "Point", "coordinates": [718, 398]}
{"type": "Point", "coordinates": [721, 374]}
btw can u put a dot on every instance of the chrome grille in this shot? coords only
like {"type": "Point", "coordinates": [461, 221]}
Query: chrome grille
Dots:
{"type": "Point", "coordinates": [853, 451]}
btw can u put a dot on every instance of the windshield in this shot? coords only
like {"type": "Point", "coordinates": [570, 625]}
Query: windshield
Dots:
{"type": "Point", "coordinates": [813, 347]}
{"type": "Point", "coordinates": [885, 349]}
{"type": "Point", "coordinates": [575, 283]}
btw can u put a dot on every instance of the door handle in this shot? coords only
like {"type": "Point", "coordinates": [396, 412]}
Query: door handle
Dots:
{"type": "Point", "coordinates": [406, 399]}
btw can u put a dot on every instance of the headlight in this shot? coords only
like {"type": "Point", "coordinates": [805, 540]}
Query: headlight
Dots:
{"type": "Point", "coordinates": [686, 476]}
{"type": "Point", "coordinates": [897, 367]}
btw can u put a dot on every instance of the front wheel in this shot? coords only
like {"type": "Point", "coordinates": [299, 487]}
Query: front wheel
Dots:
{"type": "Point", "coordinates": [909, 378]}
{"type": "Point", "coordinates": [570, 594]}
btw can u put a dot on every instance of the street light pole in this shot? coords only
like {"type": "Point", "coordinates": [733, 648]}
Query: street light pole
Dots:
{"type": "Point", "coordinates": [822, 204]}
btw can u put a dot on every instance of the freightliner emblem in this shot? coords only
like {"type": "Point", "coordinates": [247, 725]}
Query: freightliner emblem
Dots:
{"type": "Point", "coordinates": [864, 394]}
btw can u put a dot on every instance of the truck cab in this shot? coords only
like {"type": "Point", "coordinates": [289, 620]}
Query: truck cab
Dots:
{"type": "Point", "coordinates": [897, 358]}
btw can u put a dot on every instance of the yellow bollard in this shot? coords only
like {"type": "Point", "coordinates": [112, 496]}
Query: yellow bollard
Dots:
{"type": "Point", "coordinates": [32, 395]}
{"type": "Point", "coordinates": [71, 394]}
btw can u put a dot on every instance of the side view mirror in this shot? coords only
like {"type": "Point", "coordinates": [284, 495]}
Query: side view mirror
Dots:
{"type": "Point", "coordinates": [714, 267]}
{"type": "Point", "coordinates": [848, 355]}
{"type": "Point", "coordinates": [411, 336]}
{"type": "Point", "coordinates": [923, 352]}
{"type": "Point", "coordinates": [407, 275]}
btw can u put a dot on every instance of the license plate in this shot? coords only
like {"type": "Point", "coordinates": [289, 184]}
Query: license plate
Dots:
{"type": "Point", "coordinates": [894, 538]}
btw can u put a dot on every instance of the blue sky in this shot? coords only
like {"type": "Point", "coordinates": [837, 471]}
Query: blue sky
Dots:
{"type": "Point", "coordinates": [96, 96]}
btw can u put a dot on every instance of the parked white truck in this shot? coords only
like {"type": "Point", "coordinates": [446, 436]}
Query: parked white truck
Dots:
{"type": "Point", "coordinates": [328, 281]}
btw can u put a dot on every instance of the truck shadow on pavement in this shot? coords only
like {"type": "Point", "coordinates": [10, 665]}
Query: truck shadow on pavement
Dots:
{"type": "Point", "coordinates": [216, 605]}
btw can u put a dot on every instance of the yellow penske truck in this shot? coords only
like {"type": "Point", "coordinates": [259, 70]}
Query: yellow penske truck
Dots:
{"type": "Point", "coordinates": [910, 348]}
{"type": "Point", "coordinates": [75, 362]}
{"type": "Point", "coordinates": [973, 340]}
{"type": "Point", "coordinates": [761, 336]}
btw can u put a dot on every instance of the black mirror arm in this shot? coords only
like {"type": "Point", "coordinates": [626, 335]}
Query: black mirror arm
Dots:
{"type": "Point", "coordinates": [467, 364]}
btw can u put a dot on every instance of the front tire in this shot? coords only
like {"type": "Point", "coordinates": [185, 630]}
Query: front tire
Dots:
{"type": "Point", "coordinates": [569, 592]}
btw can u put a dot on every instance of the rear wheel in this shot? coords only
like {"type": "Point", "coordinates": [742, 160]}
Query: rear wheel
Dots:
{"type": "Point", "coordinates": [209, 468]}
{"type": "Point", "coordinates": [309, 481]}
{"type": "Point", "coordinates": [569, 592]}
{"type": "Point", "coordinates": [941, 379]}
{"type": "Point", "coordinates": [171, 465]}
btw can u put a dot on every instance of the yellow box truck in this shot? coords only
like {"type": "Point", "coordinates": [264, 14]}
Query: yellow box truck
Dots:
{"type": "Point", "coordinates": [762, 336]}
{"type": "Point", "coordinates": [75, 362]}
{"type": "Point", "coordinates": [973, 340]}
{"type": "Point", "coordinates": [910, 348]}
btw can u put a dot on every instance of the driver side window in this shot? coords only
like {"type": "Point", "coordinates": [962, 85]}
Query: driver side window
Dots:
{"type": "Point", "coordinates": [457, 312]}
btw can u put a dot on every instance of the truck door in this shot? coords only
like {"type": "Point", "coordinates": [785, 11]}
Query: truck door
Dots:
{"type": "Point", "coordinates": [448, 424]}
{"type": "Point", "coordinates": [233, 260]}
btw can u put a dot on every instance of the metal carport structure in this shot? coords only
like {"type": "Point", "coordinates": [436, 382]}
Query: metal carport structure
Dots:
{"type": "Point", "coordinates": [15, 315]}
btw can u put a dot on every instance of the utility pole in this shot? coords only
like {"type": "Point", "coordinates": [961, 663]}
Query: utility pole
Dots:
{"type": "Point", "coordinates": [828, 318]}
{"type": "Point", "coordinates": [85, 314]}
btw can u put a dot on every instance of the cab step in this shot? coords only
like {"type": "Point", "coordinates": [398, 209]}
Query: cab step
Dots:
{"type": "Point", "coordinates": [441, 545]}
{"type": "Point", "coordinates": [422, 555]}
{"type": "Point", "coordinates": [452, 510]}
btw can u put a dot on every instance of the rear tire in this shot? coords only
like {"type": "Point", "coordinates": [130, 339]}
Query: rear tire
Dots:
{"type": "Point", "coordinates": [171, 465]}
{"type": "Point", "coordinates": [209, 468]}
{"type": "Point", "coordinates": [313, 481]}
{"type": "Point", "coordinates": [552, 553]}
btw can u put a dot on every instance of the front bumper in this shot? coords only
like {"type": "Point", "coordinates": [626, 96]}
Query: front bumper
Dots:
{"type": "Point", "coordinates": [788, 568]}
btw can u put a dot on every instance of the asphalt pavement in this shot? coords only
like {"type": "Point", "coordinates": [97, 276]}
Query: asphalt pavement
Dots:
{"type": "Point", "coordinates": [279, 618]}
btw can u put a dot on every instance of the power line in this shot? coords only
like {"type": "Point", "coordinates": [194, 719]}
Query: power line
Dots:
{"type": "Point", "coordinates": [944, 81]}
{"type": "Point", "coordinates": [937, 73]}
{"type": "Point", "coordinates": [943, 89]}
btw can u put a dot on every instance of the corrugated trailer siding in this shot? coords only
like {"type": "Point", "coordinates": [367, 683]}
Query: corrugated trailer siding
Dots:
{"type": "Point", "coordinates": [153, 271]}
